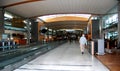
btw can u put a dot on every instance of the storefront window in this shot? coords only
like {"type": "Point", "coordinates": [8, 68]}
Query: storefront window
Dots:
{"type": "Point", "coordinates": [110, 21]}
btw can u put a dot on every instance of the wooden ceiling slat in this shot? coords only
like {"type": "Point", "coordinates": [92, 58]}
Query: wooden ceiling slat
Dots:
{"type": "Point", "coordinates": [67, 25]}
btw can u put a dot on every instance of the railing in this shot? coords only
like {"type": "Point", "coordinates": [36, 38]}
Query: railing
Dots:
{"type": "Point", "coordinates": [8, 45]}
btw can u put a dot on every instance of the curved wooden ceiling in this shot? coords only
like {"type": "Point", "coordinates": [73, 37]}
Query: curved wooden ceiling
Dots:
{"type": "Point", "coordinates": [67, 18]}
{"type": "Point", "coordinates": [66, 22]}
{"type": "Point", "coordinates": [35, 8]}
{"type": "Point", "coordinates": [67, 25]}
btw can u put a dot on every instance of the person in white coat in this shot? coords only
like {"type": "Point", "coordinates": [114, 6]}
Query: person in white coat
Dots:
{"type": "Point", "coordinates": [83, 42]}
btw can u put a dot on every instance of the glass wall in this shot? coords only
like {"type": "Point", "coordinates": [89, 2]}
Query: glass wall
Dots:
{"type": "Point", "coordinates": [15, 27]}
{"type": "Point", "coordinates": [110, 24]}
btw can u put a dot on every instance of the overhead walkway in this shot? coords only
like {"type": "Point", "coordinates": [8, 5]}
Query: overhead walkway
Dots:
{"type": "Point", "coordinates": [66, 57]}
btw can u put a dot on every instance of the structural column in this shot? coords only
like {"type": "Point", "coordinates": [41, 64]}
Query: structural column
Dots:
{"type": "Point", "coordinates": [119, 21]}
{"type": "Point", "coordinates": [95, 29]}
{"type": "Point", "coordinates": [34, 31]}
{"type": "Point", "coordinates": [28, 34]}
{"type": "Point", "coordinates": [101, 34]}
{"type": "Point", "coordinates": [1, 22]}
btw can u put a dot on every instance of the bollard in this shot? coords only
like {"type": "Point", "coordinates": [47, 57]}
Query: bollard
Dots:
{"type": "Point", "coordinates": [3, 44]}
{"type": "Point", "coordinates": [14, 45]}
{"type": "Point", "coordinates": [9, 45]}
{"type": "Point", "coordinates": [108, 45]}
{"type": "Point", "coordinates": [92, 47]}
{"type": "Point", "coordinates": [108, 48]}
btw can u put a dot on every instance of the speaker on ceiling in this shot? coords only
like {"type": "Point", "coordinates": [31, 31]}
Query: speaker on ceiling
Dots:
{"type": "Point", "coordinates": [43, 30]}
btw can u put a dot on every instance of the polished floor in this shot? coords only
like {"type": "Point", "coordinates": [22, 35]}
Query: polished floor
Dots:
{"type": "Point", "coordinates": [66, 57]}
{"type": "Point", "coordinates": [111, 60]}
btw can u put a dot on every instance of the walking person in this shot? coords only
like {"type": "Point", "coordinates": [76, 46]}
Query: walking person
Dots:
{"type": "Point", "coordinates": [83, 42]}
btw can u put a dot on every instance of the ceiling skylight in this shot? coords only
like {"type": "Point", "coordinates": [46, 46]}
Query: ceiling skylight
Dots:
{"type": "Point", "coordinates": [44, 18]}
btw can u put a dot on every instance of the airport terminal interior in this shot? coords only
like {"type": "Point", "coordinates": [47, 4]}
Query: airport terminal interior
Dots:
{"type": "Point", "coordinates": [43, 35]}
